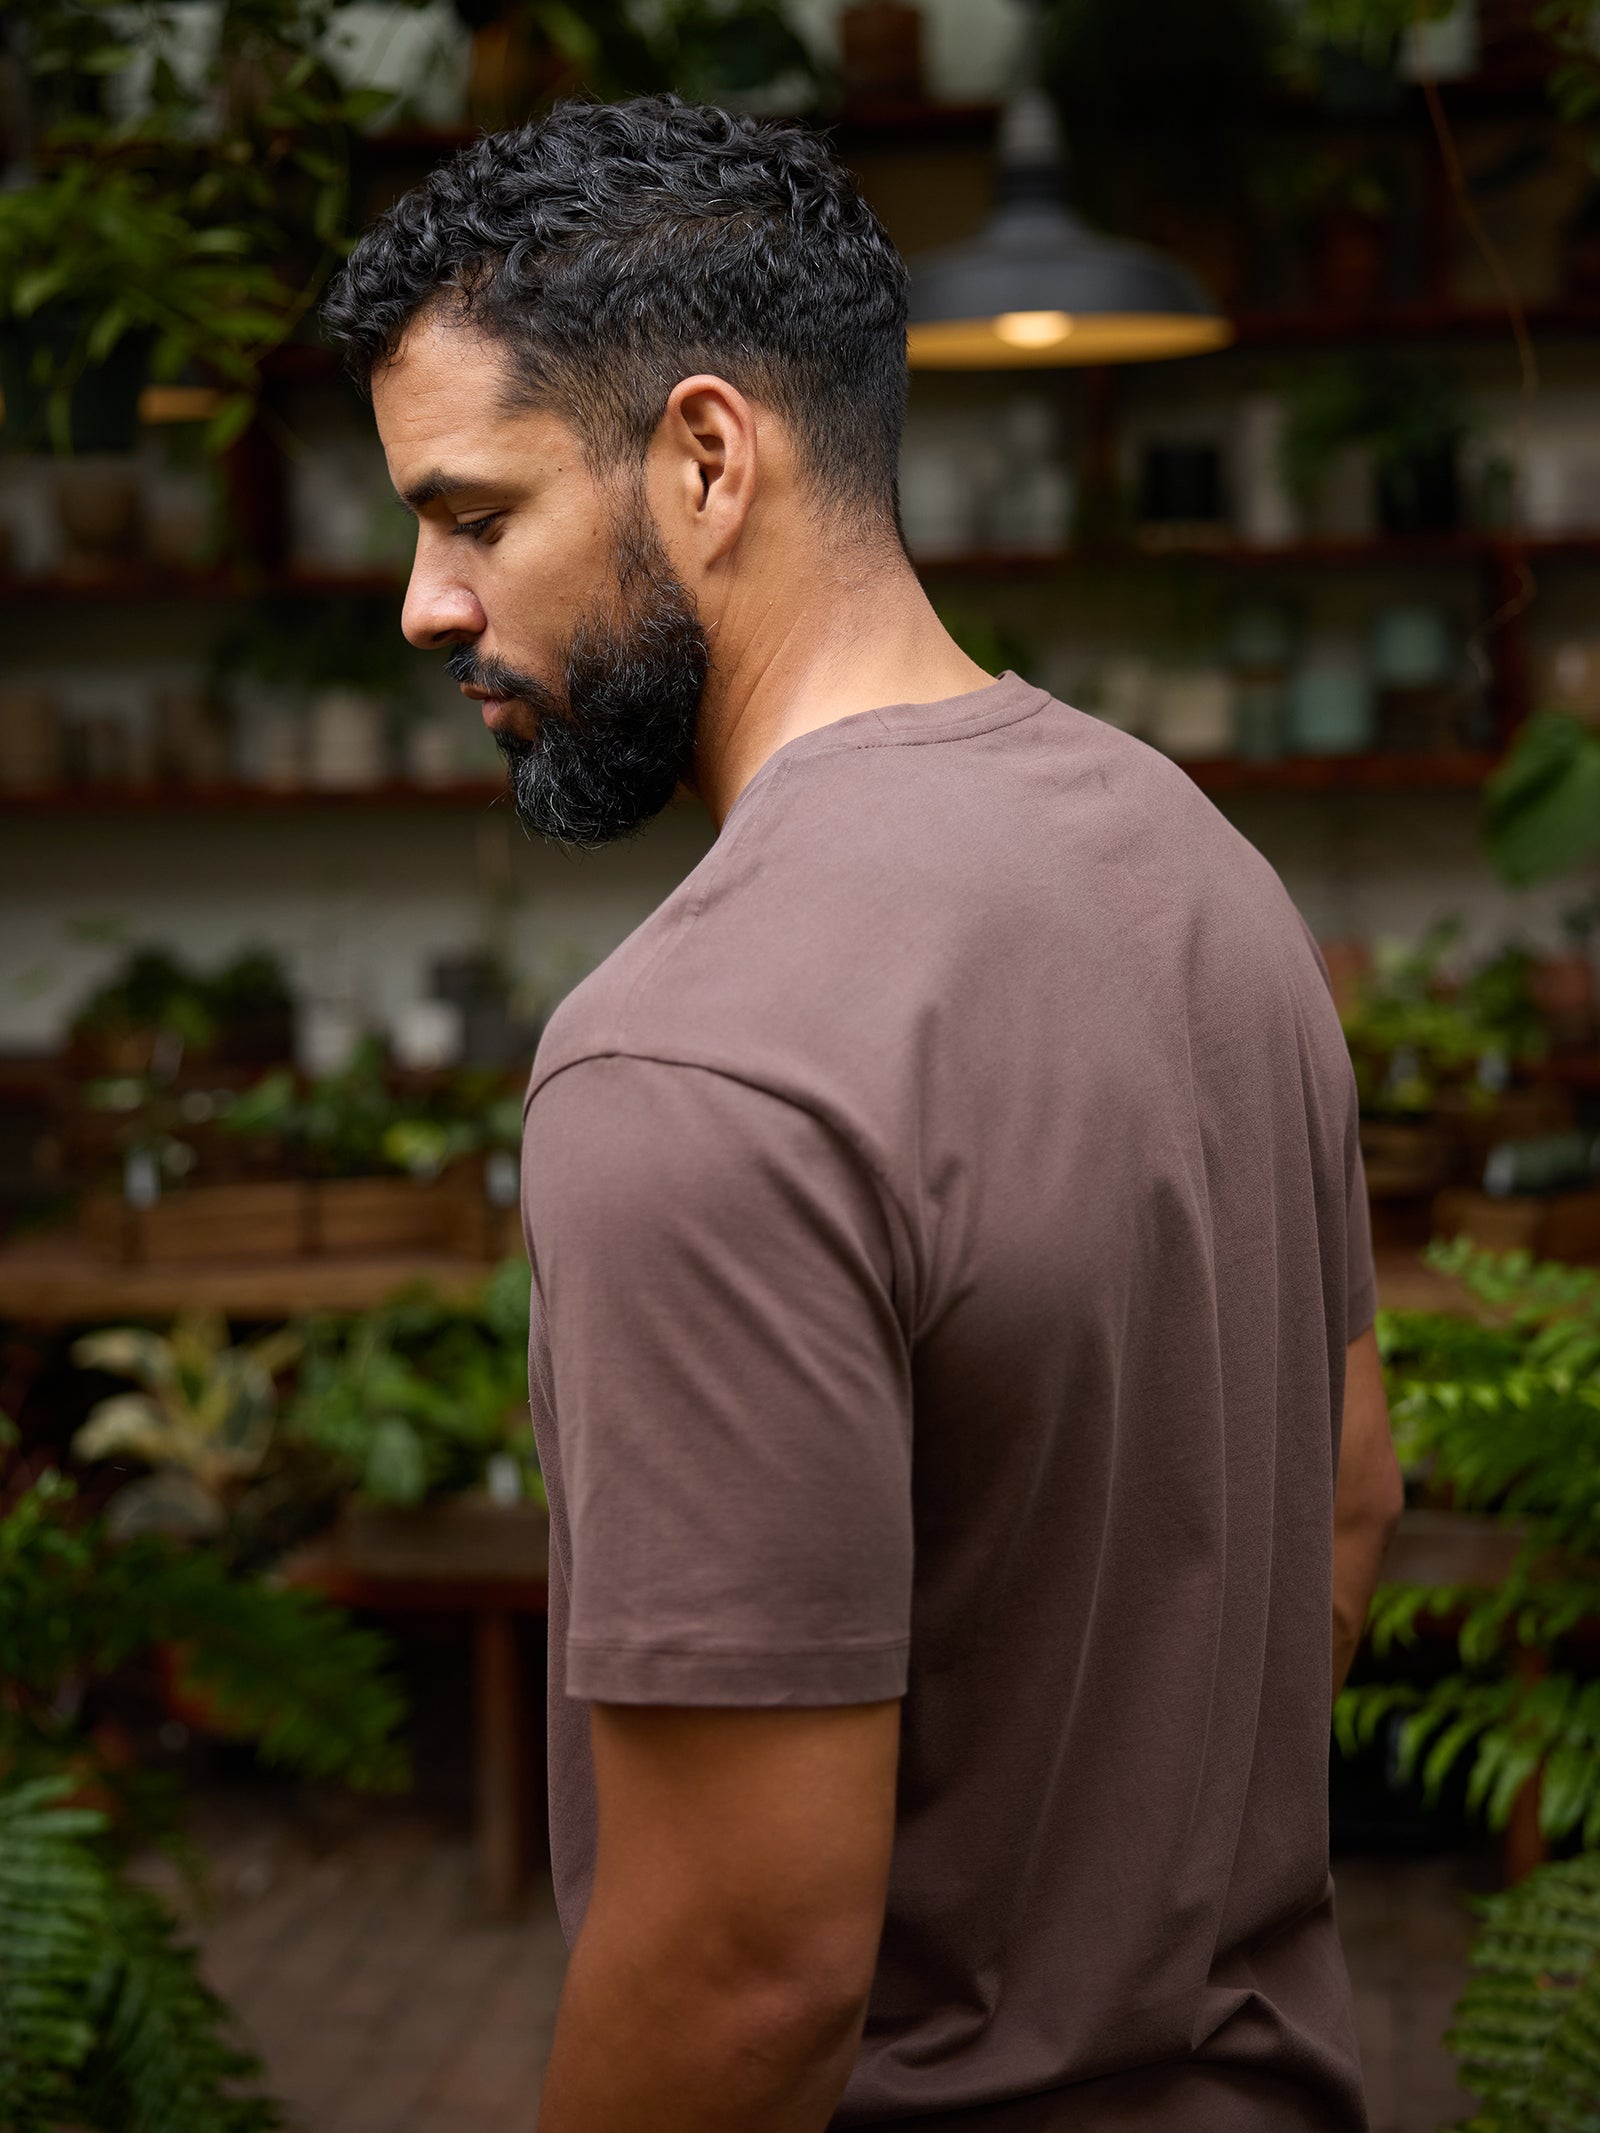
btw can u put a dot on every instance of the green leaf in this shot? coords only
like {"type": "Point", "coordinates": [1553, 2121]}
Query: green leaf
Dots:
{"type": "Point", "coordinates": [230, 421]}
{"type": "Point", "coordinates": [1542, 807]}
{"type": "Point", "coordinates": [33, 290]}
{"type": "Point", "coordinates": [221, 240]}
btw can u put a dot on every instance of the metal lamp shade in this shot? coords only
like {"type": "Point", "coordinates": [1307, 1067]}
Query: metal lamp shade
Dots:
{"type": "Point", "coordinates": [1037, 287]}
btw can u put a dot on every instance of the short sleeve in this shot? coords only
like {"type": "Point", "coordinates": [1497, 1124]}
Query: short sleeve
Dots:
{"type": "Point", "coordinates": [1361, 1280]}
{"type": "Point", "coordinates": [730, 1386]}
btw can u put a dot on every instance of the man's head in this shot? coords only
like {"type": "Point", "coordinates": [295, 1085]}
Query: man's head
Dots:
{"type": "Point", "coordinates": [602, 350]}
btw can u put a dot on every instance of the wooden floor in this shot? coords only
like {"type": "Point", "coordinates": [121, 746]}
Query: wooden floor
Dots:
{"type": "Point", "coordinates": [352, 1946]}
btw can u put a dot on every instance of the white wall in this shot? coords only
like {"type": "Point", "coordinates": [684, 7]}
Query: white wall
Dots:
{"type": "Point", "coordinates": [360, 903]}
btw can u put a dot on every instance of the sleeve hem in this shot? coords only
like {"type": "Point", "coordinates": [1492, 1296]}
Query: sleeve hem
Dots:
{"type": "Point", "coordinates": [1361, 1310]}
{"type": "Point", "coordinates": [609, 1673]}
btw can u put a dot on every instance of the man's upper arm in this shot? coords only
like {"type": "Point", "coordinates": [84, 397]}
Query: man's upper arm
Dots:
{"type": "Point", "coordinates": [731, 1391]}
{"type": "Point", "coordinates": [771, 1829]}
{"type": "Point", "coordinates": [1371, 1491]}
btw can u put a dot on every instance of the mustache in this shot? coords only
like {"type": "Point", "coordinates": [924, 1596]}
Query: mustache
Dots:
{"type": "Point", "coordinates": [494, 677]}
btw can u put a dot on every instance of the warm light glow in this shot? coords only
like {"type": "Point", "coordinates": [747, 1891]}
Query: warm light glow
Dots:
{"type": "Point", "coordinates": [1091, 337]}
{"type": "Point", "coordinates": [178, 403]}
{"type": "Point", "coordinates": [169, 403]}
{"type": "Point", "coordinates": [1033, 329]}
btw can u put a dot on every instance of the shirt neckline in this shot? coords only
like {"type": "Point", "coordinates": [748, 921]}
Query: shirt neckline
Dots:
{"type": "Point", "coordinates": [1000, 702]}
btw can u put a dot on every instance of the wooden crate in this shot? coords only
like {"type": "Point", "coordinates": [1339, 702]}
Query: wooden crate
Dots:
{"type": "Point", "coordinates": [1404, 1159]}
{"type": "Point", "coordinates": [374, 1215]}
{"type": "Point", "coordinates": [1560, 1225]}
{"type": "Point", "coordinates": [292, 1218]}
{"type": "Point", "coordinates": [263, 1219]}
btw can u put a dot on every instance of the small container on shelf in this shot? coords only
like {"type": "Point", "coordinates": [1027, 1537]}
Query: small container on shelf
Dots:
{"type": "Point", "coordinates": [426, 1035]}
{"type": "Point", "coordinates": [267, 735]}
{"type": "Point", "coordinates": [1260, 650]}
{"type": "Point", "coordinates": [1125, 695]}
{"type": "Point", "coordinates": [938, 501]}
{"type": "Point", "coordinates": [1260, 717]}
{"type": "Point", "coordinates": [880, 53]}
{"type": "Point", "coordinates": [1266, 512]}
{"type": "Point", "coordinates": [1569, 678]}
{"type": "Point", "coordinates": [1332, 710]}
{"type": "Point", "coordinates": [105, 745]}
{"type": "Point", "coordinates": [1181, 499]}
{"type": "Point", "coordinates": [179, 510]}
{"type": "Point", "coordinates": [1416, 668]}
{"type": "Point", "coordinates": [431, 750]}
{"type": "Point", "coordinates": [1032, 500]}
{"type": "Point", "coordinates": [98, 507]}
{"type": "Point", "coordinates": [326, 1034]}
{"type": "Point", "coordinates": [30, 738]}
{"type": "Point", "coordinates": [349, 749]}
{"type": "Point", "coordinates": [1194, 714]}
{"type": "Point", "coordinates": [190, 745]}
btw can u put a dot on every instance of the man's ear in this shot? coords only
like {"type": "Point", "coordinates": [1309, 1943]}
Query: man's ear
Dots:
{"type": "Point", "coordinates": [706, 456]}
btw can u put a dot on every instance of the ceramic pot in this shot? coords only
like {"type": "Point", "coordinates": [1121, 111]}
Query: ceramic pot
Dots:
{"type": "Point", "coordinates": [97, 503]}
{"type": "Point", "coordinates": [30, 739]}
{"type": "Point", "coordinates": [880, 52]}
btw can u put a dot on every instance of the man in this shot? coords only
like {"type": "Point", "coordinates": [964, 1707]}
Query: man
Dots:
{"type": "Point", "coordinates": [948, 1235]}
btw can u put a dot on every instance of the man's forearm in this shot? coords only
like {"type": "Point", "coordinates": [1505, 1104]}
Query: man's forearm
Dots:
{"type": "Point", "coordinates": [1358, 1552]}
{"type": "Point", "coordinates": [646, 2039]}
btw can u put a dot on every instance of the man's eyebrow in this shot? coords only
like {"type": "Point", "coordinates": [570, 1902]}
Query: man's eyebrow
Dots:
{"type": "Point", "coordinates": [432, 486]}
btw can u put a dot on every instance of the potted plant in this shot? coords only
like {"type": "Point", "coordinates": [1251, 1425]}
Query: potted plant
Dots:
{"type": "Point", "coordinates": [529, 52]}
{"type": "Point", "coordinates": [1433, 1059]}
{"type": "Point", "coordinates": [204, 1423]}
{"type": "Point", "coordinates": [1408, 414]}
{"type": "Point", "coordinates": [156, 1010]}
{"type": "Point", "coordinates": [422, 1407]}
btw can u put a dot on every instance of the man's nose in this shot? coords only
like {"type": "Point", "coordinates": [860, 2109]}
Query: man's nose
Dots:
{"type": "Point", "coordinates": [439, 609]}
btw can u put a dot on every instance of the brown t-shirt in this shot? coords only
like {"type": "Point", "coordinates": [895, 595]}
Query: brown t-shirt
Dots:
{"type": "Point", "coordinates": [947, 1225]}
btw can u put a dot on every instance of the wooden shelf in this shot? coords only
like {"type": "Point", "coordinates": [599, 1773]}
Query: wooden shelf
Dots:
{"type": "Point", "coordinates": [249, 799]}
{"type": "Point", "coordinates": [200, 586]}
{"type": "Point", "coordinates": [1456, 770]}
{"type": "Point", "coordinates": [1386, 552]}
{"type": "Point", "coordinates": [1319, 327]}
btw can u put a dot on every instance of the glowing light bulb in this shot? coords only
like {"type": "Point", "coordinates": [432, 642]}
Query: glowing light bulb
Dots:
{"type": "Point", "coordinates": [1033, 329]}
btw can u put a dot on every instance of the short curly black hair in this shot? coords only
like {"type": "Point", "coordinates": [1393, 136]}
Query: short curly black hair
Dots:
{"type": "Point", "coordinates": [616, 248]}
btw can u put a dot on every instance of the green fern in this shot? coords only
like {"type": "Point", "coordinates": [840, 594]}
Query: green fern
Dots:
{"type": "Point", "coordinates": [162, 2060]}
{"type": "Point", "coordinates": [1503, 1413]}
{"type": "Point", "coordinates": [1527, 2030]}
{"type": "Point", "coordinates": [281, 1668]}
{"type": "Point", "coordinates": [105, 2023]}
{"type": "Point", "coordinates": [104, 2019]}
{"type": "Point", "coordinates": [52, 1920]}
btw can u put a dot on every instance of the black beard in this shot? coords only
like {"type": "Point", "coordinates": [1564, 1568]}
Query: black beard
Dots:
{"type": "Point", "coordinates": [608, 750]}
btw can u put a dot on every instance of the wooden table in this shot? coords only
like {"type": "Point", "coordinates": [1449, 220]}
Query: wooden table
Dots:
{"type": "Point", "coordinates": [510, 1733]}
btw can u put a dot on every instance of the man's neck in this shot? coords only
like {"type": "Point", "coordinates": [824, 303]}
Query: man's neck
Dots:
{"type": "Point", "coordinates": [784, 664]}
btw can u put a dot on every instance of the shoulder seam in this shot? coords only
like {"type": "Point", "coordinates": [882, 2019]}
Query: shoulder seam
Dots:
{"type": "Point", "coordinates": [830, 1125]}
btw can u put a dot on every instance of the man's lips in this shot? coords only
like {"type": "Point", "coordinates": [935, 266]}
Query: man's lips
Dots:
{"type": "Point", "coordinates": [494, 707]}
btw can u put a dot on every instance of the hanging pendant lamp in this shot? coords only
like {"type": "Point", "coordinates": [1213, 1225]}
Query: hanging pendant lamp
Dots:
{"type": "Point", "coordinates": [1037, 287]}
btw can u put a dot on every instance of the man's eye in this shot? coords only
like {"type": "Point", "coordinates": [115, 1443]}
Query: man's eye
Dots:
{"type": "Point", "coordinates": [475, 528]}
